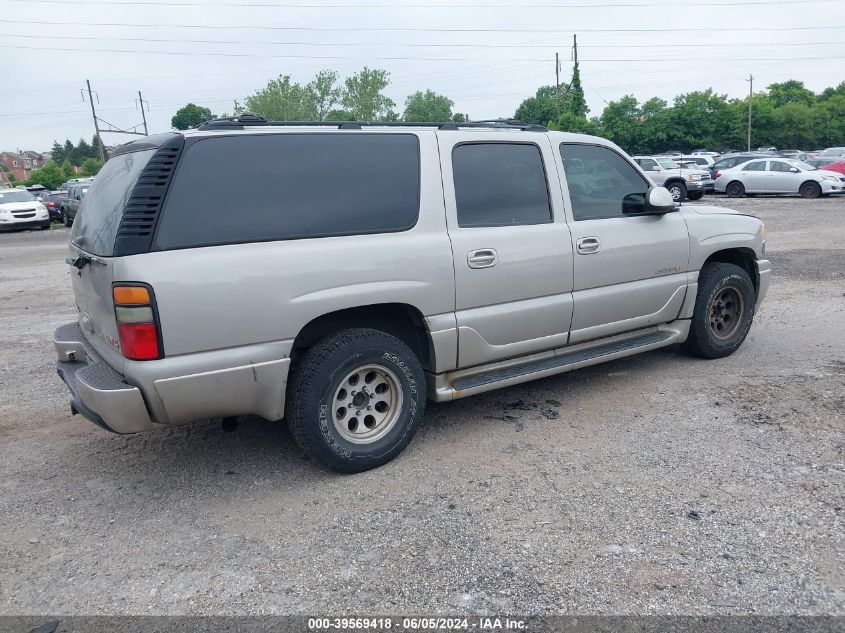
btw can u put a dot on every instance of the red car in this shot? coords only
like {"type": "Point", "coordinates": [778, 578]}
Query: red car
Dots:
{"type": "Point", "coordinates": [838, 165]}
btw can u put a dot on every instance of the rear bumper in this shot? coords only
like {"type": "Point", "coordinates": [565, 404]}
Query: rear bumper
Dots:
{"type": "Point", "coordinates": [98, 392]}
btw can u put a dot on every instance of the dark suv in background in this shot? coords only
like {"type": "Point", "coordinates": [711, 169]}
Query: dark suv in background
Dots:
{"type": "Point", "coordinates": [70, 205]}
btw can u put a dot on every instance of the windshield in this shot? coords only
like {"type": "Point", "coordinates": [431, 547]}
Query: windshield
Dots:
{"type": "Point", "coordinates": [98, 218]}
{"type": "Point", "coordinates": [667, 163]}
{"type": "Point", "coordinates": [15, 196]}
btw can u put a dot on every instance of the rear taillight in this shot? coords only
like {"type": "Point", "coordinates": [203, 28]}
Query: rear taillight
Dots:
{"type": "Point", "coordinates": [50, 205]}
{"type": "Point", "coordinates": [718, 173]}
{"type": "Point", "coordinates": [137, 322]}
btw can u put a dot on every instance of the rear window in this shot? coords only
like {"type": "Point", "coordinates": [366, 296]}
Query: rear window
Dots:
{"type": "Point", "coordinates": [288, 186]}
{"type": "Point", "coordinates": [98, 217]}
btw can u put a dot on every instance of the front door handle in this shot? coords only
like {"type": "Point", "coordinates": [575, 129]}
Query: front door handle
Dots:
{"type": "Point", "coordinates": [482, 258]}
{"type": "Point", "coordinates": [588, 245]}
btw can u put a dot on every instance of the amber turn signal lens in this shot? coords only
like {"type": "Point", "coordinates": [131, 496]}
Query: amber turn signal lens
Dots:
{"type": "Point", "coordinates": [132, 295]}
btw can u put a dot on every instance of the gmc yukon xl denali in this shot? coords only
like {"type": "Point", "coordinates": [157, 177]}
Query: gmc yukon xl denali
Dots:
{"type": "Point", "coordinates": [368, 268]}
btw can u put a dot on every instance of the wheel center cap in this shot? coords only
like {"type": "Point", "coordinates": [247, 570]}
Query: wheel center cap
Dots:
{"type": "Point", "coordinates": [360, 400]}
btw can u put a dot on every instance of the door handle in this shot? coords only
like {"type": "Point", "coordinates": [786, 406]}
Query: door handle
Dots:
{"type": "Point", "coordinates": [482, 258]}
{"type": "Point", "coordinates": [588, 245]}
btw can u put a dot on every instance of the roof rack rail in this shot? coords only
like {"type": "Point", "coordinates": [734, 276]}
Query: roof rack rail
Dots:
{"type": "Point", "coordinates": [249, 120]}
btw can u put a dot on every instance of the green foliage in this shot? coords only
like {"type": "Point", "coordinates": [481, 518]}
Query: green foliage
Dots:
{"type": "Point", "coordinates": [50, 176]}
{"type": "Point", "coordinates": [790, 92]}
{"type": "Point", "coordinates": [324, 92]}
{"type": "Point", "coordinates": [190, 115]}
{"type": "Point", "coordinates": [428, 106]}
{"type": "Point", "coordinates": [75, 154]}
{"type": "Point", "coordinates": [539, 109]}
{"type": "Point", "coordinates": [363, 96]}
{"type": "Point", "coordinates": [577, 103]}
{"type": "Point", "coordinates": [90, 167]}
{"type": "Point", "coordinates": [282, 100]}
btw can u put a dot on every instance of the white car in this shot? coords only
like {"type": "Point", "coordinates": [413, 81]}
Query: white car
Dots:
{"type": "Point", "coordinates": [778, 175]}
{"type": "Point", "coordinates": [19, 210]}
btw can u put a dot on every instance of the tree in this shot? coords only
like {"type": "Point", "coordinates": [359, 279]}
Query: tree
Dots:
{"type": "Point", "coordinates": [91, 167]}
{"type": "Point", "coordinates": [791, 91]}
{"type": "Point", "coordinates": [577, 104]}
{"type": "Point", "coordinates": [50, 176]}
{"type": "Point", "coordinates": [190, 115]}
{"type": "Point", "coordinates": [363, 97]}
{"type": "Point", "coordinates": [539, 109]}
{"type": "Point", "coordinates": [324, 92]}
{"type": "Point", "coordinates": [428, 106]}
{"type": "Point", "coordinates": [282, 100]}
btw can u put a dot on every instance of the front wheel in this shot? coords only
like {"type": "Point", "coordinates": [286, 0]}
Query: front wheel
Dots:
{"type": "Point", "coordinates": [695, 195]}
{"type": "Point", "coordinates": [724, 309]}
{"type": "Point", "coordinates": [678, 191]}
{"type": "Point", "coordinates": [356, 399]}
{"type": "Point", "coordinates": [810, 189]}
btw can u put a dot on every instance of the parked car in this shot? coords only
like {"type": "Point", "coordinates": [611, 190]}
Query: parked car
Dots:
{"type": "Point", "coordinates": [838, 165]}
{"type": "Point", "coordinates": [682, 182]}
{"type": "Point", "coordinates": [20, 210]}
{"type": "Point", "coordinates": [767, 150]}
{"type": "Point", "coordinates": [702, 160]}
{"type": "Point", "coordinates": [75, 181]}
{"type": "Point", "coordinates": [832, 151]}
{"type": "Point", "coordinates": [778, 176]}
{"type": "Point", "coordinates": [703, 152]}
{"type": "Point", "coordinates": [70, 205]}
{"type": "Point", "coordinates": [726, 162]}
{"type": "Point", "coordinates": [53, 201]}
{"type": "Point", "coordinates": [797, 154]}
{"type": "Point", "coordinates": [401, 263]}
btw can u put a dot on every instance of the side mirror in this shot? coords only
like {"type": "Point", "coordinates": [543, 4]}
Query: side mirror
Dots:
{"type": "Point", "coordinates": [658, 201]}
{"type": "Point", "coordinates": [794, 170]}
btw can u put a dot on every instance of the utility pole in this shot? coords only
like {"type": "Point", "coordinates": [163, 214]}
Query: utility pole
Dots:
{"type": "Point", "coordinates": [750, 94]}
{"type": "Point", "coordinates": [96, 124]}
{"type": "Point", "coordinates": [144, 116]}
{"type": "Point", "coordinates": [575, 48]}
{"type": "Point", "coordinates": [557, 84]}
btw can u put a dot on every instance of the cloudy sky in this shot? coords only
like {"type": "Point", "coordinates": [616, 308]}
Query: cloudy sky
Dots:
{"type": "Point", "coordinates": [487, 55]}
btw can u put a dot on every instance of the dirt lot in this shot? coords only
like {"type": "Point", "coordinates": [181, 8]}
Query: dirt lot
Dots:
{"type": "Point", "coordinates": [656, 484]}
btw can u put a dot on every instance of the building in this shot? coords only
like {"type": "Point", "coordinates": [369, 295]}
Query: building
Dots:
{"type": "Point", "coordinates": [21, 164]}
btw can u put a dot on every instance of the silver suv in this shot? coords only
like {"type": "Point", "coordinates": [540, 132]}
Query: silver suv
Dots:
{"type": "Point", "coordinates": [368, 268]}
{"type": "Point", "coordinates": [682, 179]}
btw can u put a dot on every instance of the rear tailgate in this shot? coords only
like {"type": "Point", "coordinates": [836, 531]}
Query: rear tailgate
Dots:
{"type": "Point", "coordinates": [92, 248]}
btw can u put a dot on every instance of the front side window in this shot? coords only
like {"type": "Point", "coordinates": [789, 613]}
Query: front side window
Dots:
{"type": "Point", "coordinates": [668, 163]}
{"type": "Point", "coordinates": [265, 187]}
{"type": "Point", "coordinates": [500, 184]}
{"type": "Point", "coordinates": [777, 165]}
{"type": "Point", "coordinates": [759, 165]}
{"type": "Point", "coordinates": [602, 184]}
{"type": "Point", "coordinates": [648, 164]}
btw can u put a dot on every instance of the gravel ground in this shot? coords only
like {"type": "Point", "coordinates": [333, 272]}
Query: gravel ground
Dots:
{"type": "Point", "coordinates": [658, 484]}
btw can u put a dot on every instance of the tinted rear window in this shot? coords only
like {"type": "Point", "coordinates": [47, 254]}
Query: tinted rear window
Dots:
{"type": "Point", "coordinates": [288, 186]}
{"type": "Point", "coordinates": [98, 217]}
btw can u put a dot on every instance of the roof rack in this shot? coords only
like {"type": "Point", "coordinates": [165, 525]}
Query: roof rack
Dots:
{"type": "Point", "coordinates": [251, 120]}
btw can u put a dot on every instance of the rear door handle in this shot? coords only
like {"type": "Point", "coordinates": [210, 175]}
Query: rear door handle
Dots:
{"type": "Point", "coordinates": [482, 258]}
{"type": "Point", "coordinates": [588, 245]}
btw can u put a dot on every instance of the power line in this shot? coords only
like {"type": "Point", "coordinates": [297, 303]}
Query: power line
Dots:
{"type": "Point", "coordinates": [266, 5]}
{"type": "Point", "coordinates": [182, 40]}
{"type": "Point", "coordinates": [428, 59]}
{"type": "Point", "coordinates": [264, 27]}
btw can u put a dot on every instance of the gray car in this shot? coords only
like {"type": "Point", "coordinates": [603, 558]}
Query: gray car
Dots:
{"type": "Point", "coordinates": [400, 263]}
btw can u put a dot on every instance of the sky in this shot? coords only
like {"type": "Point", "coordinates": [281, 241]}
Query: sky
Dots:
{"type": "Point", "coordinates": [486, 55]}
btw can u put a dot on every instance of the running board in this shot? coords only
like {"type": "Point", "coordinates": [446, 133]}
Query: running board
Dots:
{"type": "Point", "coordinates": [469, 382]}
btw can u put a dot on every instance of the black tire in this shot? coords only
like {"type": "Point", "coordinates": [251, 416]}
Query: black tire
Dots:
{"type": "Point", "coordinates": [709, 335]}
{"type": "Point", "coordinates": [46, 226]}
{"type": "Point", "coordinates": [319, 378]}
{"type": "Point", "coordinates": [735, 189]}
{"type": "Point", "coordinates": [678, 190]}
{"type": "Point", "coordinates": [66, 219]}
{"type": "Point", "coordinates": [810, 189]}
{"type": "Point", "coordinates": [695, 195]}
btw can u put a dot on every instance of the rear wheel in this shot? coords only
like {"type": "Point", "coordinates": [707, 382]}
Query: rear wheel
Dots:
{"type": "Point", "coordinates": [356, 399]}
{"type": "Point", "coordinates": [810, 189]}
{"type": "Point", "coordinates": [724, 310]}
{"type": "Point", "coordinates": [735, 189]}
{"type": "Point", "coordinates": [678, 191]}
{"type": "Point", "coordinates": [66, 219]}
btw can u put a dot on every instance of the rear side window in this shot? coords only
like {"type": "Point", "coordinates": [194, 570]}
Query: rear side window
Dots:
{"type": "Point", "coordinates": [286, 186]}
{"type": "Point", "coordinates": [500, 184]}
{"type": "Point", "coordinates": [98, 217]}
